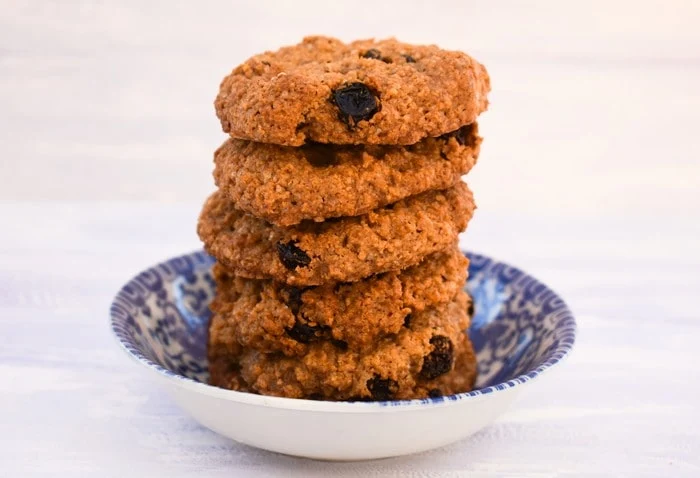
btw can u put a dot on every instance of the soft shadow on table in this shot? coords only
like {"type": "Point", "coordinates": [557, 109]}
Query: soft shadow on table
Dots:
{"type": "Point", "coordinates": [442, 459]}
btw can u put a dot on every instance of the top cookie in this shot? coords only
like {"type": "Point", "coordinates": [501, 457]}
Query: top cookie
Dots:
{"type": "Point", "coordinates": [365, 92]}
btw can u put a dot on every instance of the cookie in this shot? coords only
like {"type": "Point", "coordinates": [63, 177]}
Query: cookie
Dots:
{"type": "Point", "coordinates": [364, 92]}
{"type": "Point", "coordinates": [338, 250]}
{"type": "Point", "coordinates": [286, 185]}
{"type": "Point", "coordinates": [271, 317]}
{"type": "Point", "coordinates": [461, 379]}
{"type": "Point", "coordinates": [433, 357]}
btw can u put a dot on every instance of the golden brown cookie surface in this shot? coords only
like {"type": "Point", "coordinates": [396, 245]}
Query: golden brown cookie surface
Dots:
{"type": "Point", "coordinates": [285, 185]}
{"type": "Point", "coordinates": [431, 357]}
{"type": "Point", "coordinates": [340, 250]}
{"type": "Point", "coordinates": [271, 317]}
{"type": "Point", "coordinates": [364, 92]}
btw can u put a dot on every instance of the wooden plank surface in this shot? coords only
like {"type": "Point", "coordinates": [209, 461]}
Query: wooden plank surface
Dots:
{"type": "Point", "coordinates": [588, 180]}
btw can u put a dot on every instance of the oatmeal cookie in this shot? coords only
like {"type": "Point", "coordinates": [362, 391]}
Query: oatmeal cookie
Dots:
{"type": "Point", "coordinates": [339, 250]}
{"type": "Point", "coordinates": [432, 357]}
{"type": "Point", "coordinates": [272, 317]}
{"type": "Point", "coordinates": [285, 185]}
{"type": "Point", "coordinates": [364, 92]}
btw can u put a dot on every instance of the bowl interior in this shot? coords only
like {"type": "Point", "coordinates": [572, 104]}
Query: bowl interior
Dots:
{"type": "Point", "coordinates": [519, 329]}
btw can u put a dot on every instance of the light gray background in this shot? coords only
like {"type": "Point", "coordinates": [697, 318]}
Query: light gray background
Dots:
{"type": "Point", "coordinates": [588, 179]}
{"type": "Point", "coordinates": [595, 105]}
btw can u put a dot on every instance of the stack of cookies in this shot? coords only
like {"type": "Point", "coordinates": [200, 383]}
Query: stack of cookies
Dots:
{"type": "Point", "coordinates": [336, 220]}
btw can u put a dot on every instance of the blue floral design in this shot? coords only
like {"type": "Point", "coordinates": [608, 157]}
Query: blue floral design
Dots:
{"type": "Point", "coordinates": [519, 329]}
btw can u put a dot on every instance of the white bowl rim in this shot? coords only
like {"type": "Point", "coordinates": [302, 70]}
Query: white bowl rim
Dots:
{"type": "Point", "coordinates": [566, 332]}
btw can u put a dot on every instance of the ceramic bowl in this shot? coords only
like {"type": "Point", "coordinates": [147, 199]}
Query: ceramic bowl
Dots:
{"type": "Point", "coordinates": [521, 328]}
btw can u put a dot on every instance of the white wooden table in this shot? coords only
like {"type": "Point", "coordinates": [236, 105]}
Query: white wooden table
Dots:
{"type": "Point", "coordinates": [588, 180]}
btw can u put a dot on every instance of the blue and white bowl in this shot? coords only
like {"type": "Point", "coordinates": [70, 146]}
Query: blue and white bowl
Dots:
{"type": "Point", "coordinates": [521, 328]}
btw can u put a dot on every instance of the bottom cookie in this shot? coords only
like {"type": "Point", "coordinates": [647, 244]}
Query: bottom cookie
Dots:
{"type": "Point", "coordinates": [432, 357]}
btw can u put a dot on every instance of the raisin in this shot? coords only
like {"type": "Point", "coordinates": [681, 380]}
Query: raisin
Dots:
{"type": "Point", "coordinates": [470, 309]}
{"type": "Point", "coordinates": [439, 361]}
{"type": "Point", "coordinates": [434, 393]}
{"type": "Point", "coordinates": [372, 54]}
{"type": "Point", "coordinates": [305, 333]}
{"type": "Point", "coordinates": [291, 256]}
{"type": "Point", "coordinates": [461, 135]}
{"type": "Point", "coordinates": [382, 388]}
{"type": "Point", "coordinates": [407, 320]}
{"type": "Point", "coordinates": [341, 344]}
{"type": "Point", "coordinates": [320, 155]}
{"type": "Point", "coordinates": [409, 58]}
{"type": "Point", "coordinates": [456, 134]}
{"type": "Point", "coordinates": [356, 102]}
